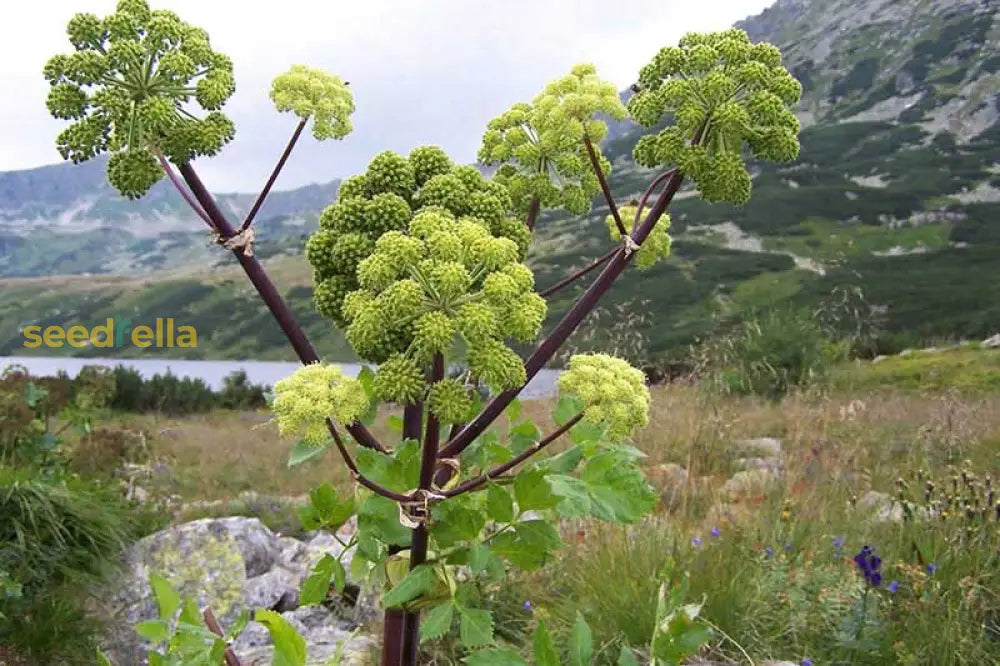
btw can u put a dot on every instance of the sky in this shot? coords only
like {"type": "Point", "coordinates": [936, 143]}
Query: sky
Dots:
{"type": "Point", "coordinates": [430, 72]}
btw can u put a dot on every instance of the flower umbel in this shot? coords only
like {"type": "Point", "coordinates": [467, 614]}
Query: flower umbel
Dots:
{"type": "Point", "coordinates": [732, 91]}
{"type": "Point", "coordinates": [613, 392]}
{"type": "Point", "coordinates": [306, 398]}
{"type": "Point", "coordinates": [312, 93]}
{"type": "Point", "coordinates": [128, 87]}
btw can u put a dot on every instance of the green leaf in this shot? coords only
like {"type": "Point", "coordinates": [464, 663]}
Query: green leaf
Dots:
{"type": "Point", "coordinates": [486, 451]}
{"type": "Point", "coordinates": [585, 432]}
{"type": "Point", "coordinates": [156, 659]}
{"type": "Point", "coordinates": [190, 613]}
{"type": "Point", "coordinates": [563, 463]}
{"type": "Point", "coordinates": [544, 649]}
{"type": "Point", "coordinates": [523, 436]}
{"type": "Point", "coordinates": [436, 622]}
{"type": "Point", "coordinates": [157, 631]}
{"type": "Point", "coordinates": [289, 647]}
{"type": "Point", "coordinates": [532, 491]}
{"type": "Point", "coordinates": [303, 451]}
{"type": "Point", "coordinates": [499, 505]}
{"type": "Point", "coordinates": [395, 424]}
{"type": "Point", "coordinates": [317, 585]}
{"type": "Point", "coordinates": [332, 513]}
{"type": "Point", "coordinates": [514, 410]}
{"type": "Point", "coordinates": [476, 627]}
{"type": "Point", "coordinates": [167, 598]}
{"type": "Point", "coordinates": [528, 545]}
{"type": "Point", "coordinates": [495, 657]}
{"type": "Point", "coordinates": [457, 520]}
{"type": "Point", "coordinates": [418, 581]}
{"type": "Point", "coordinates": [574, 493]}
{"type": "Point", "coordinates": [581, 642]}
{"type": "Point", "coordinates": [102, 659]}
{"type": "Point", "coordinates": [378, 517]}
{"type": "Point", "coordinates": [618, 490]}
{"type": "Point", "coordinates": [627, 658]}
{"type": "Point", "coordinates": [399, 471]}
{"type": "Point", "coordinates": [567, 407]}
{"type": "Point", "coordinates": [483, 560]}
{"type": "Point", "coordinates": [367, 380]}
{"type": "Point", "coordinates": [237, 627]}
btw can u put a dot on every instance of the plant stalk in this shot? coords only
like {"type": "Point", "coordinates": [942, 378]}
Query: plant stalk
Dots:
{"type": "Point", "coordinates": [272, 299]}
{"type": "Point", "coordinates": [274, 175]}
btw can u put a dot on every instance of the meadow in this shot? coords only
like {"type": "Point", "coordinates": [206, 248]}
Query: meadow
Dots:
{"type": "Point", "coordinates": [768, 539]}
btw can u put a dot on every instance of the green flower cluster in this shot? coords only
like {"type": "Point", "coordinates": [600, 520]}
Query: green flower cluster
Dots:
{"type": "Point", "coordinates": [127, 87]}
{"type": "Point", "coordinates": [657, 244]}
{"type": "Point", "coordinates": [540, 145]}
{"type": "Point", "coordinates": [312, 93]}
{"type": "Point", "coordinates": [735, 92]}
{"type": "Point", "coordinates": [613, 392]}
{"type": "Point", "coordinates": [306, 398]}
{"type": "Point", "coordinates": [415, 254]}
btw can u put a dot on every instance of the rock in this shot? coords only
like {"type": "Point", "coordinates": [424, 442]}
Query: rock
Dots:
{"type": "Point", "coordinates": [992, 342]}
{"type": "Point", "coordinates": [750, 482]}
{"type": "Point", "coordinates": [670, 479]}
{"type": "Point", "coordinates": [726, 514]}
{"type": "Point", "coordinates": [323, 632]}
{"type": "Point", "coordinates": [880, 507]}
{"type": "Point", "coordinates": [276, 590]}
{"type": "Point", "coordinates": [766, 447]}
{"type": "Point", "coordinates": [757, 463]}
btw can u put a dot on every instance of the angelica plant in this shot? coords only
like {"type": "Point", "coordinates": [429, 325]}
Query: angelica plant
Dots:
{"type": "Point", "coordinates": [422, 264]}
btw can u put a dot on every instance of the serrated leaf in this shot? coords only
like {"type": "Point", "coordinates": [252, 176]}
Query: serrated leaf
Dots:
{"type": "Point", "coordinates": [581, 642]}
{"type": "Point", "coordinates": [563, 463]}
{"type": "Point", "coordinates": [168, 600]}
{"type": "Point", "coordinates": [157, 631]}
{"type": "Point", "coordinates": [457, 520]}
{"type": "Point", "coordinates": [399, 471]}
{"type": "Point", "coordinates": [574, 493]}
{"type": "Point", "coordinates": [544, 649]}
{"type": "Point", "coordinates": [499, 505]}
{"type": "Point", "coordinates": [332, 513]}
{"type": "Point", "coordinates": [289, 646]}
{"type": "Point", "coordinates": [156, 659]}
{"type": "Point", "coordinates": [418, 581]}
{"type": "Point", "coordinates": [585, 432]}
{"type": "Point", "coordinates": [190, 613]}
{"type": "Point", "coordinates": [476, 627]}
{"type": "Point", "coordinates": [378, 517]}
{"type": "Point", "coordinates": [303, 451]}
{"type": "Point", "coordinates": [567, 407]}
{"type": "Point", "coordinates": [483, 560]}
{"type": "Point", "coordinates": [618, 490]}
{"type": "Point", "coordinates": [436, 622]}
{"type": "Point", "coordinates": [495, 657]}
{"type": "Point", "coordinates": [532, 491]}
{"type": "Point", "coordinates": [529, 545]}
{"type": "Point", "coordinates": [523, 436]}
{"type": "Point", "coordinates": [627, 658]}
{"type": "Point", "coordinates": [317, 585]}
{"type": "Point", "coordinates": [237, 627]}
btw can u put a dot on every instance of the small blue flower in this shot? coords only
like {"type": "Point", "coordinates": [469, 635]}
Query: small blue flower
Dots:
{"type": "Point", "coordinates": [931, 568]}
{"type": "Point", "coordinates": [893, 586]}
{"type": "Point", "coordinates": [788, 547]}
{"type": "Point", "coordinates": [870, 565]}
{"type": "Point", "coordinates": [769, 551]}
{"type": "Point", "coordinates": [716, 532]}
{"type": "Point", "coordinates": [807, 662]}
{"type": "Point", "coordinates": [838, 543]}
{"type": "Point", "coordinates": [696, 542]}
{"type": "Point", "coordinates": [527, 606]}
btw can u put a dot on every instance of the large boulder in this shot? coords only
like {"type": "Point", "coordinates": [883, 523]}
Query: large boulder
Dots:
{"type": "Point", "coordinates": [230, 565]}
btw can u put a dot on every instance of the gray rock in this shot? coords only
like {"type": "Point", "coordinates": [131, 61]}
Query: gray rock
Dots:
{"type": "Point", "coordinates": [766, 447]}
{"type": "Point", "coordinates": [324, 634]}
{"type": "Point", "coordinates": [750, 482]}
{"type": "Point", "coordinates": [880, 507]}
{"type": "Point", "coordinates": [277, 590]}
{"type": "Point", "coordinates": [992, 342]}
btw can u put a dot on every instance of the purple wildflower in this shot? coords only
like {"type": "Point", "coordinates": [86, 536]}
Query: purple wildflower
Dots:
{"type": "Point", "coordinates": [931, 568]}
{"type": "Point", "coordinates": [893, 586]}
{"type": "Point", "coordinates": [788, 547]}
{"type": "Point", "coordinates": [838, 543]}
{"type": "Point", "coordinates": [870, 565]}
{"type": "Point", "coordinates": [807, 662]}
{"type": "Point", "coordinates": [696, 542]}
{"type": "Point", "coordinates": [769, 551]}
{"type": "Point", "coordinates": [527, 606]}
{"type": "Point", "coordinates": [716, 532]}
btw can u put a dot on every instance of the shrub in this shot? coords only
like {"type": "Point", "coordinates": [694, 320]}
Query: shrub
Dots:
{"type": "Point", "coordinates": [771, 353]}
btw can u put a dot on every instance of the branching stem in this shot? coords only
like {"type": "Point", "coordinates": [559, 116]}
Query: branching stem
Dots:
{"type": "Point", "coordinates": [600, 261]}
{"type": "Point", "coordinates": [605, 188]}
{"type": "Point", "coordinates": [274, 175]}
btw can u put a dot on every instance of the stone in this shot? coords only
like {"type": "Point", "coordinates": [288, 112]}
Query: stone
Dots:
{"type": "Point", "coordinates": [670, 479]}
{"type": "Point", "coordinates": [750, 482]}
{"type": "Point", "coordinates": [992, 342]}
{"type": "Point", "coordinates": [324, 634]}
{"type": "Point", "coordinates": [766, 447]}
{"type": "Point", "coordinates": [880, 507]}
{"type": "Point", "coordinates": [276, 590]}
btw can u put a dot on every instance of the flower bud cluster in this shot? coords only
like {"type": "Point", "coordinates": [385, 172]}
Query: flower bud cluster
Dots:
{"type": "Point", "coordinates": [613, 392]}
{"type": "Point", "coordinates": [724, 91]}
{"type": "Point", "coordinates": [657, 244]}
{"type": "Point", "coordinates": [125, 87]}
{"type": "Point", "coordinates": [306, 398]}
{"type": "Point", "coordinates": [313, 93]}
{"type": "Point", "coordinates": [540, 145]}
{"type": "Point", "coordinates": [416, 254]}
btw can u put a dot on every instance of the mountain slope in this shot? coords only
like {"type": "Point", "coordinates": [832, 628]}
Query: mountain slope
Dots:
{"type": "Point", "coordinates": [896, 191]}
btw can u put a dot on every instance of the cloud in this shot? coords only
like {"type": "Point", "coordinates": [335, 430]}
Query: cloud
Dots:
{"type": "Point", "coordinates": [430, 72]}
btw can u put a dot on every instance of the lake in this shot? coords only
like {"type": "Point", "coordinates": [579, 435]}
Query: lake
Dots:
{"type": "Point", "coordinates": [212, 372]}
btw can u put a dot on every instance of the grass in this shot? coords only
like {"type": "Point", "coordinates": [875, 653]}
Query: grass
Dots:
{"type": "Point", "coordinates": [828, 240]}
{"type": "Point", "coordinates": [764, 601]}
{"type": "Point", "coordinates": [963, 369]}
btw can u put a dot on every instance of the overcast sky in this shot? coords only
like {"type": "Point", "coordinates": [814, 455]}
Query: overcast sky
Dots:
{"type": "Point", "coordinates": [428, 72]}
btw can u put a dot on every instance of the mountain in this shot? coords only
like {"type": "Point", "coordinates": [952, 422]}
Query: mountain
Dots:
{"type": "Point", "coordinates": [896, 192]}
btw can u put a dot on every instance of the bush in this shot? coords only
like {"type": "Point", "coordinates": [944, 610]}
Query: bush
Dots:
{"type": "Point", "coordinates": [56, 538]}
{"type": "Point", "coordinates": [772, 353]}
